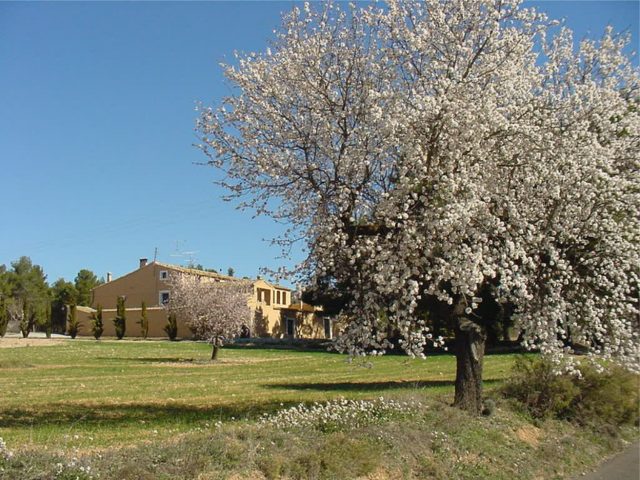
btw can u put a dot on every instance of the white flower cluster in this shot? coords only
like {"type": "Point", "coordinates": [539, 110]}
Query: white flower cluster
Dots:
{"type": "Point", "coordinates": [341, 414]}
{"type": "Point", "coordinates": [4, 450]}
{"type": "Point", "coordinates": [74, 465]}
{"type": "Point", "coordinates": [431, 151]}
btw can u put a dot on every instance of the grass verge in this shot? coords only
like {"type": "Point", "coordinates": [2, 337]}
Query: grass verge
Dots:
{"type": "Point", "coordinates": [159, 410]}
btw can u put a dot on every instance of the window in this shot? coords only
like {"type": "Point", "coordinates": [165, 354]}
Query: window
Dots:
{"type": "Point", "coordinates": [284, 298]}
{"type": "Point", "coordinates": [291, 326]}
{"type": "Point", "coordinates": [327, 327]}
{"type": "Point", "coordinates": [264, 296]}
{"type": "Point", "coordinates": [164, 274]}
{"type": "Point", "coordinates": [278, 296]}
{"type": "Point", "coordinates": [163, 297]}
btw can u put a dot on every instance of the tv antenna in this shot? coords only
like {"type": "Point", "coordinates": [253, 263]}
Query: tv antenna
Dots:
{"type": "Point", "coordinates": [185, 256]}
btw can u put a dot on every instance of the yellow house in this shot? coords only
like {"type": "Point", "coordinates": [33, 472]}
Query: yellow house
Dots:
{"type": "Point", "coordinates": [273, 313]}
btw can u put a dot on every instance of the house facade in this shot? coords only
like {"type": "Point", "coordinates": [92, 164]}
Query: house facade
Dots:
{"type": "Point", "coordinates": [272, 312]}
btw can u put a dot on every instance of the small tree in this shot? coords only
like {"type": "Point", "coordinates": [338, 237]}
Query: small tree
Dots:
{"type": "Point", "coordinates": [144, 321]}
{"type": "Point", "coordinates": [73, 325]}
{"type": "Point", "coordinates": [230, 271]}
{"type": "Point", "coordinates": [97, 327]}
{"type": "Point", "coordinates": [172, 326]}
{"type": "Point", "coordinates": [62, 293]}
{"type": "Point", "coordinates": [120, 322]}
{"type": "Point", "coordinates": [214, 311]}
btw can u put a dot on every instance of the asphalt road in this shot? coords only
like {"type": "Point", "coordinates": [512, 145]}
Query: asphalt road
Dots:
{"type": "Point", "coordinates": [625, 466]}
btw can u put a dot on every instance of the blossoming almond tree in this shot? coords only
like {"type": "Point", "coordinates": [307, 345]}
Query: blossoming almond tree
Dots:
{"type": "Point", "coordinates": [214, 311]}
{"type": "Point", "coordinates": [449, 157]}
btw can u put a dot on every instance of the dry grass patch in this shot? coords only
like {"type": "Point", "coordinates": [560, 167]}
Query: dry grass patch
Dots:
{"type": "Point", "coordinates": [529, 435]}
{"type": "Point", "coordinates": [13, 342]}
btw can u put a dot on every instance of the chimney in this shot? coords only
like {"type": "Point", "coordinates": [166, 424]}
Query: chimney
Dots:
{"type": "Point", "coordinates": [143, 262]}
{"type": "Point", "coordinates": [108, 277]}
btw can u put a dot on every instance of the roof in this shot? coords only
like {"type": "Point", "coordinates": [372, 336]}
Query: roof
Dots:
{"type": "Point", "coordinates": [269, 284]}
{"type": "Point", "coordinates": [301, 307]}
{"type": "Point", "coordinates": [193, 271]}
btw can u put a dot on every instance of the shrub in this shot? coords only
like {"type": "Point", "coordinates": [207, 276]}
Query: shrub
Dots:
{"type": "Point", "coordinates": [611, 397]}
{"type": "Point", "coordinates": [172, 326]}
{"type": "Point", "coordinates": [607, 397]}
{"type": "Point", "coordinates": [97, 327]}
{"type": "Point", "coordinates": [73, 326]}
{"type": "Point", "coordinates": [120, 322]}
{"type": "Point", "coordinates": [538, 388]}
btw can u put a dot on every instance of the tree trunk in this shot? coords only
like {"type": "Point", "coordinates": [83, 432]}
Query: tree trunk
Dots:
{"type": "Point", "coordinates": [470, 343]}
{"type": "Point", "coordinates": [214, 352]}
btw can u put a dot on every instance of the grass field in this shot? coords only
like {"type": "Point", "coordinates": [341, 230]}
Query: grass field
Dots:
{"type": "Point", "coordinates": [153, 410]}
{"type": "Point", "coordinates": [88, 394]}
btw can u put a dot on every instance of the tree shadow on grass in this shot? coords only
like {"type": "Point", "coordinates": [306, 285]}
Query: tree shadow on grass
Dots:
{"type": "Point", "coordinates": [368, 386]}
{"type": "Point", "coordinates": [153, 359]}
{"type": "Point", "coordinates": [125, 415]}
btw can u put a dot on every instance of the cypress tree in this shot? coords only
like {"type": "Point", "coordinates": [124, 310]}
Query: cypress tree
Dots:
{"type": "Point", "coordinates": [97, 326]}
{"type": "Point", "coordinates": [144, 321]}
{"type": "Point", "coordinates": [74, 325]}
{"type": "Point", "coordinates": [120, 322]}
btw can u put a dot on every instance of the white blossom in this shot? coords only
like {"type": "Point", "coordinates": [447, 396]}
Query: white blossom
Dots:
{"type": "Point", "coordinates": [433, 149]}
{"type": "Point", "coordinates": [214, 311]}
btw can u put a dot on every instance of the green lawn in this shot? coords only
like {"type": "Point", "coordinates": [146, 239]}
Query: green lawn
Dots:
{"type": "Point", "coordinates": [90, 395]}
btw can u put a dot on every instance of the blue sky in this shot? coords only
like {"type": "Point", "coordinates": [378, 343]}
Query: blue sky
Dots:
{"type": "Point", "coordinates": [96, 130]}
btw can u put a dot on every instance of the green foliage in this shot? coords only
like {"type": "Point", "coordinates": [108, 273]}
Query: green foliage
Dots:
{"type": "Point", "coordinates": [4, 317]}
{"type": "Point", "coordinates": [336, 456]}
{"type": "Point", "coordinates": [25, 285]}
{"type": "Point", "coordinates": [230, 271]}
{"type": "Point", "coordinates": [144, 321]}
{"type": "Point", "coordinates": [26, 320]}
{"type": "Point", "coordinates": [171, 328]}
{"type": "Point", "coordinates": [120, 322]}
{"type": "Point", "coordinates": [596, 398]}
{"type": "Point", "coordinates": [73, 325]}
{"type": "Point", "coordinates": [63, 293]}
{"type": "Point", "coordinates": [84, 282]}
{"type": "Point", "coordinates": [97, 327]}
{"type": "Point", "coordinates": [48, 326]}
{"type": "Point", "coordinates": [611, 397]}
